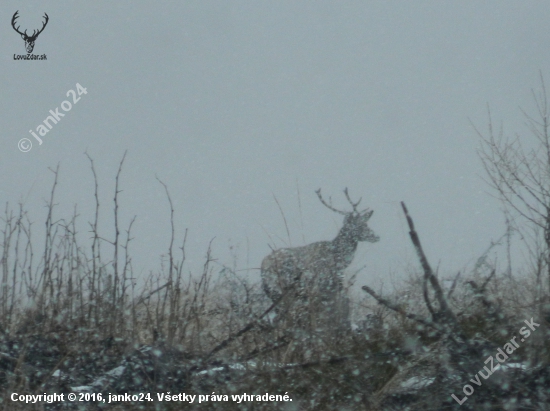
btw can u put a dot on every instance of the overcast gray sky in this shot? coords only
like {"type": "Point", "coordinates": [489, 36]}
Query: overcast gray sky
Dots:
{"type": "Point", "coordinates": [232, 102]}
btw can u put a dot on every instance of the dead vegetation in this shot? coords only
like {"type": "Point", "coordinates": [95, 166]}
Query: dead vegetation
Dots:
{"type": "Point", "coordinates": [73, 318]}
{"type": "Point", "coordinates": [77, 322]}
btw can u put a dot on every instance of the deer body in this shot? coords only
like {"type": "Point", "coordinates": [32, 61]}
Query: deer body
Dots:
{"type": "Point", "coordinates": [310, 278]}
{"type": "Point", "coordinates": [293, 268]}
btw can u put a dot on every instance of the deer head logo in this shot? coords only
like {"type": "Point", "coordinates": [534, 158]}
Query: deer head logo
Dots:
{"type": "Point", "coordinates": [29, 40]}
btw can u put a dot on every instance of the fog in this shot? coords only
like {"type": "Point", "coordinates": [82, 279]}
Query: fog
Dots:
{"type": "Point", "coordinates": [233, 104]}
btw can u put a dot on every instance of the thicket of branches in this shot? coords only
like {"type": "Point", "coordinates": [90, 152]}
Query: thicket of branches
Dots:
{"type": "Point", "coordinates": [518, 170]}
{"type": "Point", "coordinates": [72, 315]}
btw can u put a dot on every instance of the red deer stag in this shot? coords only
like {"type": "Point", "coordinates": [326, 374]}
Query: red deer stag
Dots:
{"type": "Point", "coordinates": [310, 278]}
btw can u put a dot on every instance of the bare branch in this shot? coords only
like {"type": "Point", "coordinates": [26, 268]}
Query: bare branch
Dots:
{"type": "Point", "coordinates": [427, 297]}
{"type": "Point", "coordinates": [399, 309]}
{"type": "Point", "coordinates": [284, 219]}
{"type": "Point", "coordinates": [453, 286]}
{"type": "Point", "coordinates": [247, 327]}
{"type": "Point", "coordinates": [172, 230]}
{"type": "Point", "coordinates": [428, 273]}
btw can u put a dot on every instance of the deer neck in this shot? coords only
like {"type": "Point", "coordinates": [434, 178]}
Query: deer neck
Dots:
{"type": "Point", "coordinates": [344, 248]}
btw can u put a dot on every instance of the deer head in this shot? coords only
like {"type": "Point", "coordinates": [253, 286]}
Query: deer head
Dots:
{"type": "Point", "coordinates": [355, 227]}
{"type": "Point", "coordinates": [29, 40]}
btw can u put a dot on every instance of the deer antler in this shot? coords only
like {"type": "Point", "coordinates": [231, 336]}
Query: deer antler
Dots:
{"type": "Point", "coordinates": [15, 16]}
{"type": "Point", "coordinates": [34, 33]}
{"type": "Point", "coordinates": [354, 205]}
{"type": "Point", "coordinates": [43, 26]}
{"type": "Point", "coordinates": [329, 206]}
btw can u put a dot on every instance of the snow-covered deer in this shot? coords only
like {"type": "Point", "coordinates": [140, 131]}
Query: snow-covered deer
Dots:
{"type": "Point", "coordinates": [310, 278]}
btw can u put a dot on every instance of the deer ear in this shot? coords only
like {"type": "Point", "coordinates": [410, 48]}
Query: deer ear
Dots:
{"type": "Point", "coordinates": [367, 215]}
